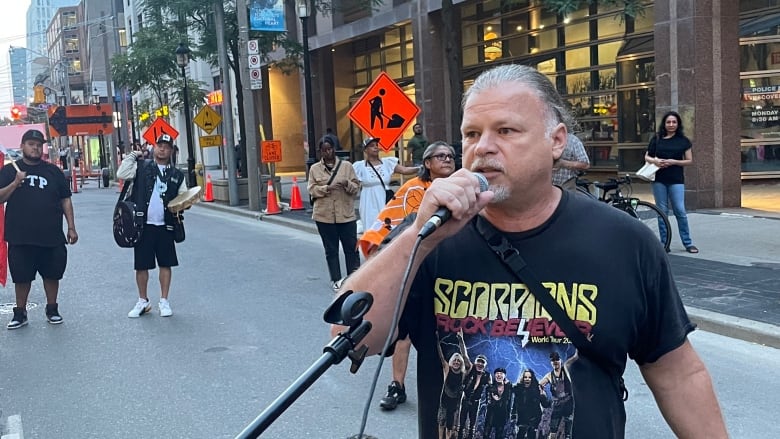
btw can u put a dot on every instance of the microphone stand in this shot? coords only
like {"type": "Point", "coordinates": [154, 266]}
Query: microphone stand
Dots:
{"type": "Point", "coordinates": [347, 310]}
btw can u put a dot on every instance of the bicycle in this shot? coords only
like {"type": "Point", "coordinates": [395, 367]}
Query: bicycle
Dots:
{"type": "Point", "coordinates": [611, 192]}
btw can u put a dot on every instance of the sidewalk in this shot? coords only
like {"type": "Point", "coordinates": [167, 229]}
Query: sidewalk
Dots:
{"type": "Point", "coordinates": [732, 287]}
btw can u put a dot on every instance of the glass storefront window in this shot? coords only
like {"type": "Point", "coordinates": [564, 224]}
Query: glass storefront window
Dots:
{"type": "Point", "coordinates": [576, 32]}
{"type": "Point", "coordinates": [637, 115]}
{"type": "Point", "coordinates": [392, 55]}
{"type": "Point", "coordinates": [611, 26]}
{"type": "Point", "coordinates": [636, 71]}
{"type": "Point", "coordinates": [393, 36]}
{"type": "Point", "coordinates": [749, 5]}
{"type": "Point", "coordinates": [608, 52]}
{"type": "Point", "coordinates": [578, 83]}
{"type": "Point", "coordinates": [547, 40]}
{"type": "Point", "coordinates": [760, 115]}
{"type": "Point", "coordinates": [606, 79]}
{"type": "Point", "coordinates": [761, 158]}
{"type": "Point", "coordinates": [470, 34]}
{"type": "Point", "coordinates": [577, 59]}
{"type": "Point", "coordinates": [394, 70]}
{"type": "Point", "coordinates": [644, 22]}
{"type": "Point", "coordinates": [759, 56]}
{"type": "Point", "coordinates": [470, 56]}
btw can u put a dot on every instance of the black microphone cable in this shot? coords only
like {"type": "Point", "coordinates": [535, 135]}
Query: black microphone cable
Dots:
{"type": "Point", "coordinates": [440, 217]}
{"type": "Point", "coordinates": [390, 336]}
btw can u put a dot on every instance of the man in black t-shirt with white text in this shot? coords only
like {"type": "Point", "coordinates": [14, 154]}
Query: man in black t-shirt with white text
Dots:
{"type": "Point", "coordinates": [37, 197]}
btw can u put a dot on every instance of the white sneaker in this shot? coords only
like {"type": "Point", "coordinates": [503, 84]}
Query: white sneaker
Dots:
{"type": "Point", "coordinates": [141, 307]}
{"type": "Point", "coordinates": [165, 308]}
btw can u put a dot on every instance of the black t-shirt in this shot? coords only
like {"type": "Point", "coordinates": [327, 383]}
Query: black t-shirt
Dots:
{"type": "Point", "coordinates": [672, 148]}
{"type": "Point", "coordinates": [606, 270]}
{"type": "Point", "coordinates": [34, 211]}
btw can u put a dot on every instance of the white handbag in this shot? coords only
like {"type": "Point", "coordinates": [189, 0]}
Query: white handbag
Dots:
{"type": "Point", "coordinates": [647, 172]}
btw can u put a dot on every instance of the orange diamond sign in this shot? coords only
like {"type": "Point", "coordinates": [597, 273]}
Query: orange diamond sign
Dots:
{"type": "Point", "coordinates": [384, 111]}
{"type": "Point", "coordinates": [157, 129]}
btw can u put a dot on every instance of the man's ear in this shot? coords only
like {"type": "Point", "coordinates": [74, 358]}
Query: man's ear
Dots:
{"type": "Point", "coordinates": [559, 137]}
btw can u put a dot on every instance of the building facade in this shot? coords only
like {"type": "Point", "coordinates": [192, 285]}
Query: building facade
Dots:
{"type": "Point", "coordinates": [18, 61]}
{"type": "Point", "coordinates": [39, 15]}
{"type": "Point", "coordinates": [620, 74]}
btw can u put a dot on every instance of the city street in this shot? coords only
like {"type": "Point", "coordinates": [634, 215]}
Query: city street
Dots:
{"type": "Point", "coordinates": [248, 300]}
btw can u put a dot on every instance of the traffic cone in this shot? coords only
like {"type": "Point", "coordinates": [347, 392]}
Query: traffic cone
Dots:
{"type": "Point", "coordinates": [296, 202]}
{"type": "Point", "coordinates": [272, 204]}
{"type": "Point", "coordinates": [121, 185]}
{"type": "Point", "coordinates": [208, 194]}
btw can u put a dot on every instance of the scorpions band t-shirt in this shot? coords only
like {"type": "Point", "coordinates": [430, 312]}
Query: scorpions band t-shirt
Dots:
{"type": "Point", "coordinates": [608, 273]}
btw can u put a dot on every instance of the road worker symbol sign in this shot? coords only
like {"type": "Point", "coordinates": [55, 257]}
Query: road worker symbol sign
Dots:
{"type": "Point", "coordinates": [157, 129]}
{"type": "Point", "coordinates": [384, 111]}
{"type": "Point", "coordinates": [207, 119]}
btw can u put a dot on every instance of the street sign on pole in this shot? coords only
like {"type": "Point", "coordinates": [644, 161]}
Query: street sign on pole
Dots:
{"type": "Point", "coordinates": [207, 119]}
{"type": "Point", "coordinates": [272, 151]}
{"type": "Point", "coordinates": [208, 141]}
{"type": "Point", "coordinates": [80, 120]}
{"type": "Point", "coordinates": [255, 79]}
{"type": "Point", "coordinates": [252, 47]}
{"type": "Point", "coordinates": [157, 129]}
{"type": "Point", "coordinates": [384, 111]}
{"type": "Point", "coordinates": [254, 61]}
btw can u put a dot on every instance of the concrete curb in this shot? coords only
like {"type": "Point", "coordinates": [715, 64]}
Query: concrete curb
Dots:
{"type": "Point", "coordinates": [735, 327]}
{"type": "Point", "coordinates": [259, 216]}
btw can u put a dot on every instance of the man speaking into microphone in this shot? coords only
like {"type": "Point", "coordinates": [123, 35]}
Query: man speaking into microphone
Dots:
{"type": "Point", "coordinates": [608, 275]}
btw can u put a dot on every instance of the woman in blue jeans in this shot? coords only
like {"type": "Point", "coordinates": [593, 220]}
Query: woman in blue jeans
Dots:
{"type": "Point", "coordinates": [670, 150]}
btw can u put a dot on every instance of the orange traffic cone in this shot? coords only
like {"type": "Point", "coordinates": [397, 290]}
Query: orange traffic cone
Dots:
{"type": "Point", "coordinates": [296, 202]}
{"type": "Point", "coordinates": [209, 194]}
{"type": "Point", "coordinates": [121, 185]}
{"type": "Point", "coordinates": [271, 204]}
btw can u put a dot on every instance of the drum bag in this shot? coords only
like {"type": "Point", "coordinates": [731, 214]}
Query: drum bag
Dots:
{"type": "Point", "coordinates": [128, 221]}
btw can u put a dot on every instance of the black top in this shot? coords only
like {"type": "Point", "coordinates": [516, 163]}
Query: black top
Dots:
{"type": "Point", "coordinates": [607, 271]}
{"type": "Point", "coordinates": [672, 148]}
{"type": "Point", "coordinates": [34, 211]}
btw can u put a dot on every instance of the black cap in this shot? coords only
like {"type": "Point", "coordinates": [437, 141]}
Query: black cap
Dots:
{"type": "Point", "coordinates": [34, 135]}
{"type": "Point", "coordinates": [165, 138]}
{"type": "Point", "coordinates": [500, 369]}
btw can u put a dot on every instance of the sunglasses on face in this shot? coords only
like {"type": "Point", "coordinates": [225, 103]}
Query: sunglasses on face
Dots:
{"type": "Point", "coordinates": [443, 157]}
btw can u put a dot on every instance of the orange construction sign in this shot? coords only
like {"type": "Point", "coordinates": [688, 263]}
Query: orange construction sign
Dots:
{"type": "Point", "coordinates": [80, 120]}
{"type": "Point", "coordinates": [384, 111]}
{"type": "Point", "coordinates": [157, 129]}
{"type": "Point", "coordinates": [271, 151]}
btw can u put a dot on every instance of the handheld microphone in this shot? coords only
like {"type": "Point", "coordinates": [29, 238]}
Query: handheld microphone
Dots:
{"type": "Point", "coordinates": [443, 214]}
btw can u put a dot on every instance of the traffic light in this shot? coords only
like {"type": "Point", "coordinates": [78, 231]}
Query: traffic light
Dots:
{"type": "Point", "coordinates": [39, 95]}
{"type": "Point", "coordinates": [16, 112]}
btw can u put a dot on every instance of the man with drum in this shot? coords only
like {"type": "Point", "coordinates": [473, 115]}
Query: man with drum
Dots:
{"type": "Point", "coordinates": [156, 183]}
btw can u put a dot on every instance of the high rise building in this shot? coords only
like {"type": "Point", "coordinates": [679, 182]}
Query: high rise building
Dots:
{"type": "Point", "coordinates": [18, 58]}
{"type": "Point", "coordinates": [39, 14]}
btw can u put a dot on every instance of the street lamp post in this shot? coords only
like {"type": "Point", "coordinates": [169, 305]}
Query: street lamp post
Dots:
{"type": "Point", "coordinates": [183, 59]}
{"type": "Point", "coordinates": [304, 11]}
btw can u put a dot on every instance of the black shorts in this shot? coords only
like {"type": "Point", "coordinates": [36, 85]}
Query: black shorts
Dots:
{"type": "Point", "coordinates": [156, 243]}
{"type": "Point", "coordinates": [26, 260]}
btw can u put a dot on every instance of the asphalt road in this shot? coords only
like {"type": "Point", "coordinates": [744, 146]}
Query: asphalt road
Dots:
{"type": "Point", "coordinates": [248, 300]}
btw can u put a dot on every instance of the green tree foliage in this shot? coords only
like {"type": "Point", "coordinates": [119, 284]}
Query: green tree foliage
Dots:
{"type": "Point", "coordinates": [150, 64]}
{"type": "Point", "coordinates": [631, 8]}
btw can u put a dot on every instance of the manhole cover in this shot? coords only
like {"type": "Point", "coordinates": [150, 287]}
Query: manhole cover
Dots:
{"type": "Point", "coordinates": [8, 308]}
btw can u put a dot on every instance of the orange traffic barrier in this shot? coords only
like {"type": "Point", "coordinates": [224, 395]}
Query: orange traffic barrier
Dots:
{"type": "Point", "coordinates": [296, 202]}
{"type": "Point", "coordinates": [209, 193]}
{"type": "Point", "coordinates": [272, 204]}
{"type": "Point", "coordinates": [121, 185]}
